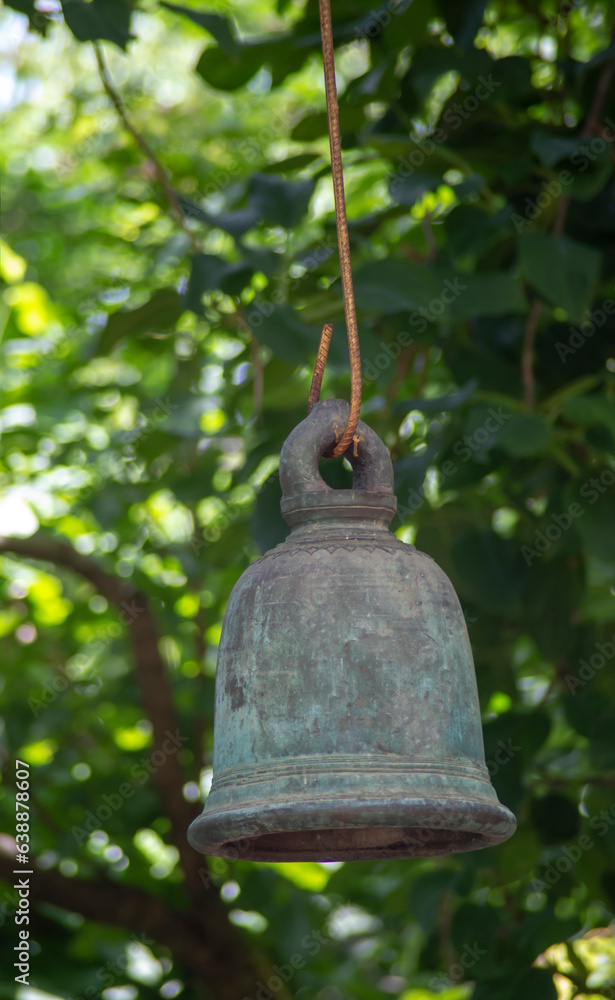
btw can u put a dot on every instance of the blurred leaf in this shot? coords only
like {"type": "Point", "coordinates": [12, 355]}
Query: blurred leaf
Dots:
{"type": "Point", "coordinates": [463, 19]}
{"type": "Point", "coordinates": [37, 19]}
{"type": "Point", "coordinates": [408, 190]}
{"type": "Point", "coordinates": [209, 274]}
{"type": "Point", "coordinates": [215, 24]}
{"type": "Point", "coordinates": [562, 270]}
{"type": "Point", "coordinates": [268, 525]}
{"type": "Point", "coordinates": [99, 19]}
{"type": "Point", "coordinates": [588, 410]}
{"type": "Point", "coordinates": [555, 818]}
{"type": "Point", "coordinates": [525, 434]}
{"type": "Point", "coordinates": [228, 70]}
{"type": "Point", "coordinates": [279, 202]}
{"type": "Point", "coordinates": [160, 313]}
{"type": "Point", "coordinates": [441, 404]}
{"type": "Point", "coordinates": [390, 286]}
{"type": "Point", "coordinates": [535, 984]}
{"type": "Point", "coordinates": [551, 148]}
{"type": "Point", "coordinates": [426, 895]}
{"type": "Point", "coordinates": [486, 295]}
{"type": "Point", "coordinates": [286, 334]}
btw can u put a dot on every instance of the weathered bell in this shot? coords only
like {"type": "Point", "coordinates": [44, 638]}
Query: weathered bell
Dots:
{"type": "Point", "coordinates": [347, 722]}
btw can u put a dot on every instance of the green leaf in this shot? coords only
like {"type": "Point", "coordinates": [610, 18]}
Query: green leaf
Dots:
{"type": "Point", "coordinates": [535, 984]}
{"type": "Point", "coordinates": [587, 173]}
{"type": "Point", "coordinates": [286, 334]}
{"type": "Point", "coordinates": [595, 525]}
{"type": "Point", "coordinates": [487, 295]}
{"type": "Point", "coordinates": [551, 148]}
{"type": "Point", "coordinates": [525, 434]}
{"type": "Point", "coordinates": [437, 404]}
{"type": "Point", "coordinates": [391, 286]}
{"type": "Point", "coordinates": [556, 818]}
{"type": "Point", "coordinates": [216, 24]}
{"type": "Point", "coordinates": [315, 125]}
{"type": "Point", "coordinates": [602, 747]}
{"type": "Point", "coordinates": [425, 895]}
{"type": "Point", "coordinates": [98, 20]}
{"type": "Point", "coordinates": [236, 223]}
{"type": "Point", "coordinates": [280, 202]}
{"type": "Point", "coordinates": [209, 273]}
{"type": "Point", "coordinates": [562, 270]}
{"type": "Point", "coordinates": [229, 70]}
{"type": "Point", "coordinates": [514, 74]}
{"type": "Point", "coordinates": [408, 190]}
{"type": "Point", "coordinates": [541, 930]}
{"type": "Point", "coordinates": [291, 163]}
{"type": "Point", "coordinates": [512, 740]}
{"type": "Point", "coordinates": [268, 525]}
{"type": "Point", "coordinates": [553, 590]}
{"type": "Point", "coordinates": [472, 230]}
{"type": "Point", "coordinates": [160, 313]}
{"type": "Point", "coordinates": [463, 19]}
{"type": "Point", "coordinates": [589, 410]}
{"type": "Point", "coordinates": [473, 923]}
{"type": "Point", "coordinates": [487, 569]}
{"type": "Point", "coordinates": [311, 127]}
{"type": "Point", "coordinates": [37, 19]}
{"type": "Point", "coordinates": [410, 475]}
{"type": "Point", "coordinates": [591, 177]}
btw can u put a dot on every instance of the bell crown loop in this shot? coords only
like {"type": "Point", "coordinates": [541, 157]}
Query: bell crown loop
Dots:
{"type": "Point", "coordinates": [304, 489]}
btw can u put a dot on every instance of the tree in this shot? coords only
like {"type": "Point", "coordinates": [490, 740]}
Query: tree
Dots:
{"type": "Point", "coordinates": [169, 257]}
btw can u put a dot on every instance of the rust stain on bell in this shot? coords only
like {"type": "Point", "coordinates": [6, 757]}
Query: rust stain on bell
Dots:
{"type": "Point", "coordinates": [347, 722]}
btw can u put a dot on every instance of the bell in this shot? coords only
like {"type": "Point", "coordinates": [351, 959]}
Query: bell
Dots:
{"type": "Point", "coordinates": [347, 722]}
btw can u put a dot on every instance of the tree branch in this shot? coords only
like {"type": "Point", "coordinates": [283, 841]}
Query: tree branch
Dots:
{"type": "Point", "coordinates": [203, 937]}
{"type": "Point", "coordinates": [527, 354]}
{"type": "Point", "coordinates": [204, 941]}
{"type": "Point", "coordinates": [151, 677]}
{"type": "Point", "coordinates": [590, 125]}
{"type": "Point", "coordinates": [159, 170]}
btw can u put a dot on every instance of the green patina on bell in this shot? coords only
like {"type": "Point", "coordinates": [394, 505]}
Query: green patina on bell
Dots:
{"type": "Point", "coordinates": [347, 722]}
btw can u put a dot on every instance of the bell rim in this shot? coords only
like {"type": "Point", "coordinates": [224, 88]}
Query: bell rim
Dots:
{"type": "Point", "coordinates": [229, 831]}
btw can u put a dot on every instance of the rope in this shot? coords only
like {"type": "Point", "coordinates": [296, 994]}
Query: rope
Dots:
{"type": "Point", "coordinates": [326, 31]}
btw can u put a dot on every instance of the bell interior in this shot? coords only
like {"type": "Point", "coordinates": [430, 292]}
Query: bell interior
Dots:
{"type": "Point", "coordinates": [356, 844]}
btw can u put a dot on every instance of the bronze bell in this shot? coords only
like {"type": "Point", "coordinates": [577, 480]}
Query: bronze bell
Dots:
{"type": "Point", "coordinates": [347, 722]}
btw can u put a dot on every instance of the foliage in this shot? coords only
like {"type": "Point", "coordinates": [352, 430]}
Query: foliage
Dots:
{"type": "Point", "coordinates": [161, 311]}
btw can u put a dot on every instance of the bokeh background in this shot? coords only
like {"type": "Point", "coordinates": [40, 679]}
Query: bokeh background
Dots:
{"type": "Point", "coordinates": [168, 258]}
